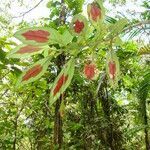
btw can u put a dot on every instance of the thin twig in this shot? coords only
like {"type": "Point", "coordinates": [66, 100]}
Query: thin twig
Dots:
{"type": "Point", "coordinates": [23, 14]}
{"type": "Point", "coordinates": [5, 92]}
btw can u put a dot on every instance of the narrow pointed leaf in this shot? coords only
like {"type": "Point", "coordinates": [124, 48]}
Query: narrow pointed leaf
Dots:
{"type": "Point", "coordinates": [26, 51]}
{"type": "Point", "coordinates": [34, 72]}
{"type": "Point", "coordinates": [66, 37]}
{"type": "Point", "coordinates": [38, 36]}
{"type": "Point", "coordinates": [62, 81]}
{"type": "Point", "coordinates": [144, 50]}
{"type": "Point", "coordinates": [118, 26]}
{"type": "Point", "coordinates": [62, 109]}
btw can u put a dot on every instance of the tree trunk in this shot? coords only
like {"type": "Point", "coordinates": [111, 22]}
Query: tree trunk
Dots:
{"type": "Point", "coordinates": [58, 133]}
{"type": "Point", "coordinates": [58, 124]}
{"type": "Point", "coordinates": [111, 136]}
{"type": "Point", "coordinates": [106, 106]}
{"type": "Point", "coordinates": [147, 142]}
{"type": "Point", "coordinates": [15, 134]}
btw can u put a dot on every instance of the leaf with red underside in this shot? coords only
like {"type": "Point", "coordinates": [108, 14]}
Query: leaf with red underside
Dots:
{"type": "Point", "coordinates": [112, 68]}
{"type": "Point", "coordinates": [26, 51]}
{"type": "Point", "coordinates": [90, 71]}
{"type": "Point", "coordinates": [34, 72]}
{"type": "Point", "coordinates": [62, 81]}
{"type": "Point", "coordinates": [96, 12]}
{"type": "Point", "coordinates": [38, 36]}
{"type": "Point", "coordinates": [79, 25]}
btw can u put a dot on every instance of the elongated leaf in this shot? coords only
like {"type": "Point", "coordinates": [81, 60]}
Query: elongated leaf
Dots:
{"type": "Point", "coordinates": [38, 36]}
{"type": "Point", "coordinates": [34, 72]}
{"type": "Point", "coordinates": [110, 19]}
{"type": "Point", "coordinates": [62, 81]}
{"type": "Point", "coordinates": [134, 33]}
{"type": "Point", "coordinates": [62, 109]}
{"type": "Point", "coordinates": [2, 56]}
{"type": "Point", "coordinates": [145, 50]}
{"type": "Point", "coordinates": [118, 26]}
{"type": "Point", "coordinates": [66, 37]}
{"type": "Point", "coordinates": [26, 51]}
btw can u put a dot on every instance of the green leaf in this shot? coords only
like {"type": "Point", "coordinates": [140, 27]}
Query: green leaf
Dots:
{"type": "Point", "coordinates": [75, 6]}
{"type": "Point", "coordinates": [66, 37]}
{"type": "Point", "coordinates": [134, 33]}
{"type": "Point", "coordinates": [16, 71]}
{"type": "Point", "coordinates": [38, 36]}
{"type": "Point", "coordinates": [145, 50]}
{"type": "Point", "coordinates": [62, 109]}
{"type": "Point", "coordinates": [118, 26]}
{"type": "Point", "coordinates": [2, 55]}
{"type": "Point", "coordinates": [34, 72]}
{"type": "Point", "coordinates": [26, 51]}
{"type": "Point", "coordinates": [49, 4]}
{"type": "Point", "coordinates": [62, 81]}
{"type": "Point", "coordinates": [110, 19]}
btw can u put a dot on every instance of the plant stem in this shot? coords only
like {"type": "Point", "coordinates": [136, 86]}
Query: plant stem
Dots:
{"type": "Point", "coordinates": [58, 124]}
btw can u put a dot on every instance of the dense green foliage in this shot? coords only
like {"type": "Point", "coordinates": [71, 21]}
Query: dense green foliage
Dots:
{"type": "Point", "coordinates": [90, 114]}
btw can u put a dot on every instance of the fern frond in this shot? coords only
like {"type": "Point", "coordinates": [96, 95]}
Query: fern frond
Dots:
{"type": "Point", "coordinates": [144, 86]}
{"type": "Point", "coordinates": [144, 50]}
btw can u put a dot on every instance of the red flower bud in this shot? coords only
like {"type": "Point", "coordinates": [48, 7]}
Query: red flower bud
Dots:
{"type": "Point", "coordinates": [94, 12]}
{"type": "Point", "coordinates": [78, 26]}
{"type": "Point", "coordinates": [90, 71]}
{"type": "Point", "coordinates": [112, 69]}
